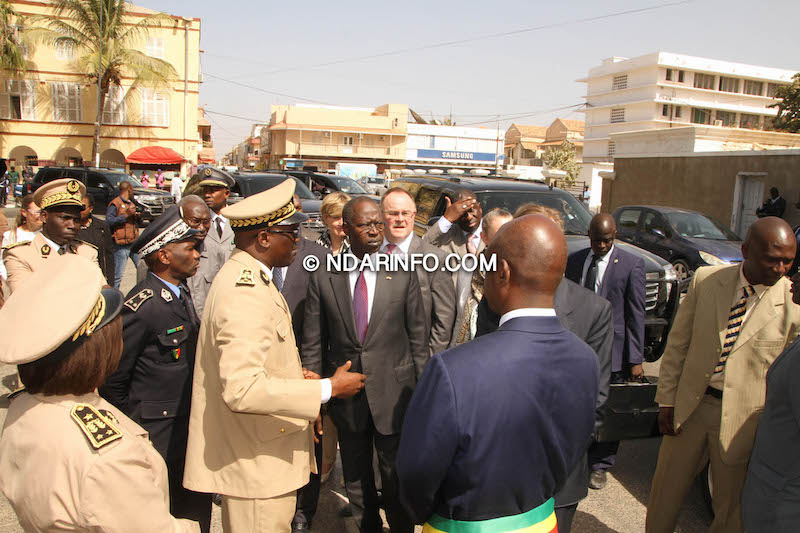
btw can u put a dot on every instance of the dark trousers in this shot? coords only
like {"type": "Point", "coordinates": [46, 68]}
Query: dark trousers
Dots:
{"type": "Point", "coordinates": [359, 479]}
{"type": "Point", "coordinates": [564, 516]}
{"type": "Point", "coordinates": [603, 455]}
{"type": "Point", "coordinates": [308, 496]}
{"type": "Point", "coordinates": [185, 503]}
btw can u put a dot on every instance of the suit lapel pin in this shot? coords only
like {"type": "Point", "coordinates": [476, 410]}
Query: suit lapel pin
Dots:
{"type": "Point", "coordinates": [46, 249]}
{"type": "Point", "coordinates": [616, 260]}
{"type": "Point", "coordinates": [166, 294]}
{"type": "Point", "coordinates": [388, 277]}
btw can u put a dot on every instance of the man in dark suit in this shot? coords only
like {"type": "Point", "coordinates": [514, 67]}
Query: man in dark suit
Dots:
{"type": "Point", "coordinates": [619, 277]}
{"type": "Point", "coordinates": [774, 206]}
{"type": "Point", "coordinates": [497, 424]}
{"type": "Point", "coordinates": [292, 281]}
{"type": "Point", "coordinates": [438, 293]}
{"type": "Point", "coordinates": [375, 319]}
{"type": "Point", "coordinates": [153, 383]}
{"type": "Point", "coordinates": [589, 317]}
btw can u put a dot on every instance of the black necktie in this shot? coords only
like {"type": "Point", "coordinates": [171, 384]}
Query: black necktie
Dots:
{"type": "Point", "coordinates": [186, 299]}
{"type": "Point", "coordinates": [219, 227]}
{"type": "Point", "coordinates": [591, 274]}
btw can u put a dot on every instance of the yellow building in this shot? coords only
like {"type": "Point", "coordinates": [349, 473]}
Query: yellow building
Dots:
{"type": "Point", "coordinates": [47, 114]}
{"type": "Point", "coordinates": [322, 136]}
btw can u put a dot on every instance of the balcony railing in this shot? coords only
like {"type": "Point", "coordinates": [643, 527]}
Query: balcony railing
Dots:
{"type": "Point", "coordinates": [363, 150]}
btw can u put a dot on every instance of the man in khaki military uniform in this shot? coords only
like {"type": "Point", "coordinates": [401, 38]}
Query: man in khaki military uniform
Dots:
{"type": "Point", "coordinates": [250, 435]}
{"type": "Point", "coordinates": [61, 203]}
{"type": "Point", "coordinates": [69, 460]}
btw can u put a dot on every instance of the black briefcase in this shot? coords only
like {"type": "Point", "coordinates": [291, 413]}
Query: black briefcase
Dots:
{"type": "Point", "coordinates": [631, 412]}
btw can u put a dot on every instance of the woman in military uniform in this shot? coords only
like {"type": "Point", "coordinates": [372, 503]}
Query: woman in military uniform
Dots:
{"type": "Point", "coordinates": [68, 459]}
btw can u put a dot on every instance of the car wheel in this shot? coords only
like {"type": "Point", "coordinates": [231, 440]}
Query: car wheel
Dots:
{"type": "Point", "coordinates": [707, 486]}
{"type": "Point", "coordinates": [682, 269]}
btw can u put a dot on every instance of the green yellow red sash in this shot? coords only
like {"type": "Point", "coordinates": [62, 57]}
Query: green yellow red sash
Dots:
{"type": "Point", "coordinates": [541, 519]}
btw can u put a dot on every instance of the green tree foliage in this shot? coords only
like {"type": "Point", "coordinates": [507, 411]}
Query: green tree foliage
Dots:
{"type": "Point", "coordinates": [788, 118]}
{"type": "Point", "coordinates": [77, 23]}
{"type": "Point", "coordinates": [563, 158]}
{"type": "Point", "coordinates": [12, 55]}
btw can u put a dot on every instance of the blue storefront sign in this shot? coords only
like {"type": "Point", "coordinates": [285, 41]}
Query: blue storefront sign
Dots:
{"type": "Point", "coordinates": [451, 154]}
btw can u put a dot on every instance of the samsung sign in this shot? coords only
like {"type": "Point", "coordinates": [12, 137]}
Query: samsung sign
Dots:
{"type": "Point", "coordinates": [461, 156]}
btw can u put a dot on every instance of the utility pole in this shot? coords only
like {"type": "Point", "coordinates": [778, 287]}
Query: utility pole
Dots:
{"type": "Point", "coordinates": [99, 90]}
{"type": "Point", "coordinates": [497, 149]}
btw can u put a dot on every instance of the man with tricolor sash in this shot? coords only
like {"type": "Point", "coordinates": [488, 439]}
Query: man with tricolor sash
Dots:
{"type": "Point", "coordinates": [496, 425]}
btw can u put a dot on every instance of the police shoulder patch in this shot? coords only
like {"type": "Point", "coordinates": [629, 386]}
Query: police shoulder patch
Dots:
{"type": "Point", "coordinates": [246, 278]}
{"type": "Point", "coordinates": [134, 302]}
{"type": "Point", "coordinates": [99, 430]}
{"type": "Point", "coordinates": [15, 244]}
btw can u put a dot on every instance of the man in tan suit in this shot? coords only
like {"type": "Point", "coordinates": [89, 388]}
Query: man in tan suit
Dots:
{"type": "Point", "coordinates": [734, 321]}
{"type": "Point", "coordinates": [61, 203]}
{"type": "Point", "coordinates": [250, 436]}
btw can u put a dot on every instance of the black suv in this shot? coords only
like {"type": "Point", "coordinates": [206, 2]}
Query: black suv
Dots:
{"type": "Point", "coordinates": [662, 285]}
{"type": "Point", "coordinates": [103, 185]}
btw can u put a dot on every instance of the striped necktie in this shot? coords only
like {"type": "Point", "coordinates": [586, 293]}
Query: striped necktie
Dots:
{"type": "Point", "coordinates": [735, 319]}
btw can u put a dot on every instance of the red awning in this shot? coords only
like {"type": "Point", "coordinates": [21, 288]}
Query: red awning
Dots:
{"type": "Point", "coordinates": [155, 155]}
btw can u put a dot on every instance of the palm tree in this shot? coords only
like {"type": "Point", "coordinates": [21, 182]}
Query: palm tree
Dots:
{"type": "Point", "coordinates": [103, 32]}
{"type": "Point", "coordinates": [11, 49]}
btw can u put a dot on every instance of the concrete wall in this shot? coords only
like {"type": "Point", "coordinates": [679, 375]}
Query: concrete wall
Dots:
{"type": "Point", "coordinates": [702, 182]}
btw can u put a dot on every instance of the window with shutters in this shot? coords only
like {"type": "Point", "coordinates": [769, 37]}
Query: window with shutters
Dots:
{"type": "Point", "coordinates": [617, 115]}
{"type": "Point", "coordinates": [704, 81]}
{"type": "Point", "coordinates": [728, 118]}
{"type": "Point", "coordinates": [612, 148]}
{"type": "Point", "coordinates": [155, 47]}
{"type": "Point", "coordinates": [18, 100]}
{"type": "Point", "coordinates": [753, 87]}
{"type": "Point", "coordinates": [155, 108]}
{"type": "Point", "coordinates": [114, 106]}
{"type": "Point", "coordinates": [66, 102]}
{"type": "Point", "coordinates": [619, 82]}
{"type": "Point", "coordinates": [701, 116]}
{"type": "Point", "coordinates": [751, 122]}
{"type": "Point", "coordinates": [728, 85]}
{"type": "Point", "coordinates": [65, 51]}
{"type": "Point", "coordinates": [771, 88]}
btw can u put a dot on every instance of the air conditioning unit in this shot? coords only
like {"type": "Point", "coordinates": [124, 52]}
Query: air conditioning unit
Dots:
{"type": "Point", "coordinates": [718, 123]}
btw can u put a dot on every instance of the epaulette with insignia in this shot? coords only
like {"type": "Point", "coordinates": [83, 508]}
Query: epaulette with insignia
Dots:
{"type": "Point", "coordinates": [109, 415]}
{"type": "Point", "coordinates": [86, 243]}
{"type": "Point", "coordinates": [246, 278]}
{"type": "Point", "coordinates": [134, 302]}
{"type": "Point", "coordinates": [98, 429]}
{"type": "Point", "coordinates": [16, 393]}
{"type": "Point", "coordinates": [15, 244]}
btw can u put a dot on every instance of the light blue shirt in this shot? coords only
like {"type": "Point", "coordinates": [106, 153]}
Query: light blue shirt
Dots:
{"type": "Point", "coordinates": [176, 290]}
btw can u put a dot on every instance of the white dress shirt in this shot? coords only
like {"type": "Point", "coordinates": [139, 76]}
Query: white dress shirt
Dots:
{"type": "Point", "coordinates": [474, 237]}
{"type": "Point", "coordinates": [602, 265]}
{"type": "Point", "coordinates": [214, 217]}
{"type": "Point", "coordinates": [403, 245]}
{"type": "Point", "coordinates": [371, 278]}
{"type": "Point", "coordinates": [327, 387]}
{"type": "Point", "coordinates": [527, 311]}
{"type": "Point", "coordinates": [53, 245]}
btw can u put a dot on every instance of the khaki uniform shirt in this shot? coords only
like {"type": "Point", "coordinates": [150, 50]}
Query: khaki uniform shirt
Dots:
{"type": "Point", "coordinates": [57, 480]}
{"type": "Point", "coordinates": [250, 432]}
{"type": "Point", "coordinates": [22, 259]}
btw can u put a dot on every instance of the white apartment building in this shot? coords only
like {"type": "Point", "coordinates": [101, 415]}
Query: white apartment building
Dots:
{"type": "Point", "coordinates": [726, 101]}
{"type": "Point", "coordinates": [430, 146]}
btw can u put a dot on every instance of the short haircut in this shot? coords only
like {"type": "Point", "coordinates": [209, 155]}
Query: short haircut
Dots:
{"type": "Point", "coordinates": [462, 193]}
{"type": "Point", "coordinates": [348, 212]}
{"type": "Point", "coordinates": [532, 208]}
{"type": "Point", "coordinates": [125, 185]}
{"type": "Point", "coordinates": [775, 190]}
{"type": "Point", "coordinates": [27, 200]}
{"type": "Point", "coordinates": [82, 371]}
{"type": "Point", "coordinates": [494, 214]}
{"type": "Point", "coordinates": [333, 204]}
{"type": "Point", "coordinates": [90, 198]}
{"type": "Point", "coordinates": [398, 190]}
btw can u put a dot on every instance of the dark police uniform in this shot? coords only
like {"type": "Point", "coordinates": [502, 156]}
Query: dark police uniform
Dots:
{"type": "Point", "coordinates": [153, 383]}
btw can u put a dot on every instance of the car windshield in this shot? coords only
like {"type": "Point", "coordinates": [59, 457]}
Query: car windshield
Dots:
{"type": "Point", "coordinates": [115, 178]}
{"type": "Point", "coordinates": [262, 183]}
{"type": "Point", "coordinates": [699, 226]}
{"type": "Point", "coordinates": [347, 185]}
{"type": "Point", "coordinates": [375, 180]}
{"type": "Point", "coordinates": [576, 217]}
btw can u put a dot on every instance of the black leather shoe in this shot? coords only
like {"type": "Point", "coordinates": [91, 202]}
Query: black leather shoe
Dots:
{"type": "Point", "coordinates": [598, 479]}
{"type": "Point", "coordinates": [301, 527]}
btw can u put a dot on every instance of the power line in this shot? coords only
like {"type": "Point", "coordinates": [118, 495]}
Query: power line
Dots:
{"type": "Point", "coordinates": [259, 120]}
{"type": "Point", "coordinates": [523, 115]}
{"type": "Point", "coordinates": [261, 89]}
{"type": "Point", "coordinates": [467, 40]}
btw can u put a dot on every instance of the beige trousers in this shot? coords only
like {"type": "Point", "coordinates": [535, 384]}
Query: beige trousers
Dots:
{"type": "Point", "coordinates": [681, 458]}
{"type": "Point", "coordinates": [330, 441]}
{"type": "Point", "coordinates": [270, 515]}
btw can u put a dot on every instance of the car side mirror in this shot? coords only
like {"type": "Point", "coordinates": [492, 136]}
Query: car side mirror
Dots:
{"type": "Point", "coordinates": [318, 194]}
{"type": "Point", "coordinates": [658, 233]}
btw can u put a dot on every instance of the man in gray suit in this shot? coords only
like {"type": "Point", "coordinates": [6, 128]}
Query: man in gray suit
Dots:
{"type": "Point", "coordinates": [215, 187]}
{"type": "Point", "coordinates": [459, 229]}
{"type": "Point", "coordinates": [375, 319]}
{"type": "Point", "coordinates": [438, 293]}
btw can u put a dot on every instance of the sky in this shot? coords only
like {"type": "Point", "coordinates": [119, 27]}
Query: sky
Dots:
{"type": "Point", "coordinates": [289, 47]}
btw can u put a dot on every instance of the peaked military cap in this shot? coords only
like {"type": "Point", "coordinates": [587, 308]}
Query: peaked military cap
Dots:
{"type": "Point", "coordinates": [272, 207]}
{"type": "Point", "coordinates": [60, 192]}
{"type": "Point", "coordinates": [76, 305]}
{"type": "Point", "coordinates": [169, 227]}
{"type": "Point", "coordinates": [214, 177]}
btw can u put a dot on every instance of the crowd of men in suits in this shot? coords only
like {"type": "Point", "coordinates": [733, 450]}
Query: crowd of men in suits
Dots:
{"type": "Point", "coordinates": [459, 398]}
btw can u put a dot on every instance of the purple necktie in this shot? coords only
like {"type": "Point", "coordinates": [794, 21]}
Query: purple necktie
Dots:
{"type": "Point", "coordinates": [361, 307]}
